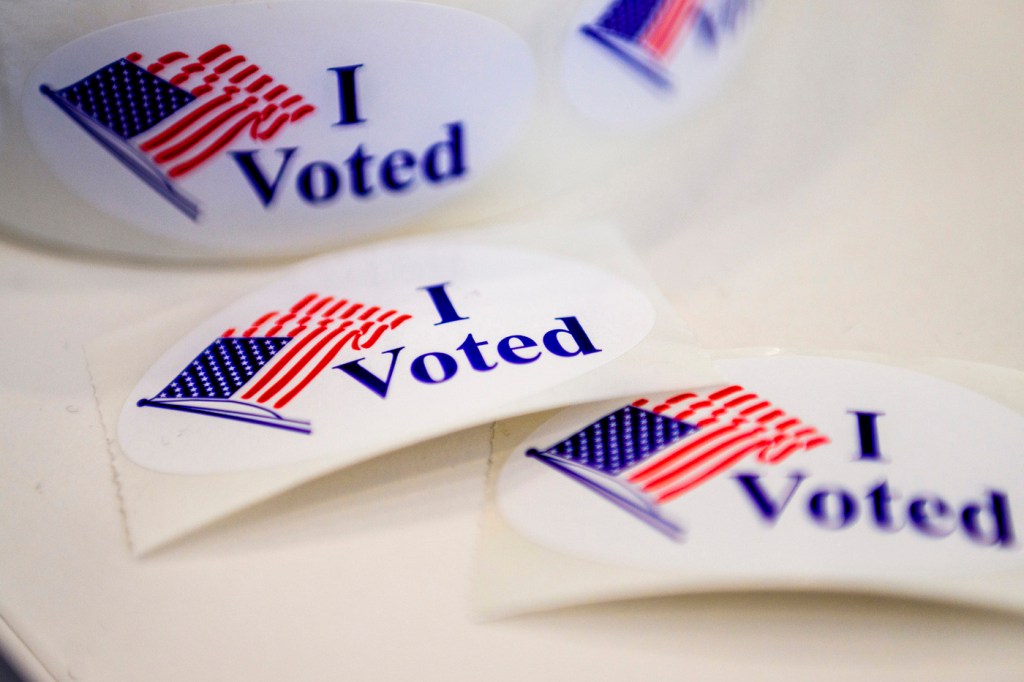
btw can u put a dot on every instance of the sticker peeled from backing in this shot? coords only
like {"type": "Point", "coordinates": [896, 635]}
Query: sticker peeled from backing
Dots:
{"type": "Point", "coordinates": [360, 353]}
{"type": "Point", "coordinates": [282, 124]}
{"type": "Point", "coordinates": [638, 62]}
{"type": "Point", "coordinates": [805, 470]}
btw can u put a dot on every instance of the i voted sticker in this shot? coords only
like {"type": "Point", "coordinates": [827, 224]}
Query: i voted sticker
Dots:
{"type": "Point", "coordinates": [639, 62]}
{"type": "Point", "coordinates": [804, 467]}
{"type": "Point", "coordinates": [280, 126]}
{"type": "Point", "coordinates": [365, 352]}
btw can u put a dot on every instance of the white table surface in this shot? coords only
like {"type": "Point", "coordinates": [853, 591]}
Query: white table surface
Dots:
{"type": "Point", "coordinates": [858, 188]}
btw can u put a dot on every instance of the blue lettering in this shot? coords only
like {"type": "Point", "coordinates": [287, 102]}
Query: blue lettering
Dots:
{"type": "Point", "coordinates": [1000, 531]}
{"type": "Point", "coordinates": [348, 102]}
{"type": "Point", "coordinates": [319, 182]}
{"type": "Point", "coordinates": [446, 362]}
{"type": "Point", "coordinates": [881, 505]}
{"type": "Point", "coordinates": [925, 512]}
{"type": "Point", "coordinates": [575, 331]}
{"type": "Point", "coordinates": [444, 160]}
{"type": "Point", "coordinates": [368, 378]}
{"type": "Point", "coordinates": [824, 516]}
{"type": "Point", "coordinates": [318, 192]}
{"type": "Point", "coordinates": [867, 432]}
{"type": "Point", "coordinates": [357, 170]}
{"type": "Point", "coordinates": [437, 367]}
{"type": "Point", "coordinates": [769, 508]}
{"type": "Point", "coordinates": [986, 523]}
{"type": "Point", "coordinates": [443, 304]}
{"type": "Point", "coordinates": [265, 189]}
{"type": "Point", "coordinates": [471, 347]}
{"type": "Point", "coordinates": [398, 161]}
{"type": "Point", "coordinates": [508, 352]}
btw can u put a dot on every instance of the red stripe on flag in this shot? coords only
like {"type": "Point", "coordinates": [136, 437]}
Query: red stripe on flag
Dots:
{"type": "Point", "coordinates": [311, 350]}
{"type": "Point", "coordinates": [301, 363]}
{"type": "Point", "coordinates": [724, 393]}
{"type": "Point", "coordinates": [742, 399]}
{"type": "Point", "coordinates": [771, 456]}
{"type": "Point", "coordinates": [369, 312]}
{"type": "Point", "coordinates": [660, 36]}
{"type": "Point", "coordinates": [219, 143]}
{"type": "Point", "coordinates": [303, 302]}
{"type": "Point", "coordinates": [244, 73]}
{"type": "Point", "coordinates": [672, 474]}
{"type": "Point", "coordinates": [673, 456]}
{"type": "Point", "coordinates": [319, 304]}
{"type": "Point", "coordinates": [334, 308]}
{"type": "Point", "coordinates": [161, 63]}
{"type": "Point", "coordinates": [259, 321]}
{"type": "Point", "coordinates": [304, 322]}
{"type": "Point", "coordinates": [229, 63]}
{"type": "Point", "coordinates": [172, 57]}
{"type": "Point", "coordinates": [280, 323]}
{"type": "Point", "coordinates": [754, 425]}
{"type": "Point", "coordinates": [275, 92]}
{"type": "Point", "coordinates": [204, 131]}
{"type": "Point", "coordinates": [286, 398]}
{"type": "Point", "coordinates": [291, 350]}
{"type": "Point", "coordinates": [259, 83]}
{"type": "Point", "coordinates": [374, 337]}
{"type": "Point", "coordinates": [755, 408]}
{"type": "Point", "coordinates": [213, 53]}
{"type": "Point", "coordinates": [272, 129]}
{"type": "Point", "coordinates": [183, 123]}
{"type": "Point", "coordinates": [664, 405]}
{"type": "Point", "coordinates": [275, 320]}
{"type": "Point", "coordinates": [302, 112]}
{"type": "Point", "coordinates": [675, 492]}
{"type": "Point", "coordinates": [395, 323]}
{"type": "Point", "coordinates": [185, 73]}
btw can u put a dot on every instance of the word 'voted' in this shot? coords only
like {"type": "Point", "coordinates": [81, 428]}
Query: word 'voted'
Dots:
{"type": "Point", "coordinates": [568, 340]}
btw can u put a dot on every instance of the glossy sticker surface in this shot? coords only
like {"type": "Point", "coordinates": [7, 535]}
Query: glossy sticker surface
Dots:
{"type": "Point", "coordinates": [805, 467]}
{"type": "Point", "coordinates": [281, 125]}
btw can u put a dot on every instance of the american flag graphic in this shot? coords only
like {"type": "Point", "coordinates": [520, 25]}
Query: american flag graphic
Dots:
{"type": "Point", "coordinates": [248, 373]}
{"type": "Point", "coordinates": [645, 455]}
{"type": "Point", "coordinates": [165, 118]}
{"type": "Point", "coordinates": [643, 34]}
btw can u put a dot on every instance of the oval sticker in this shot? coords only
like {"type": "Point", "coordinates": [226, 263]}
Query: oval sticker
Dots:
{"type": "Point", "coordinates": [805, 467]}
{"type": "Point", "coordinates": [362, 353]}
{"type": "Point", "coordinates": [283, 125]}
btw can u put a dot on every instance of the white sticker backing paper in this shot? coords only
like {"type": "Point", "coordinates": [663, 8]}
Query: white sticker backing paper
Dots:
{"type": "Point", "coordinates": [803, 471]}
{"type": "Point", "coordinates": [353, 355]}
